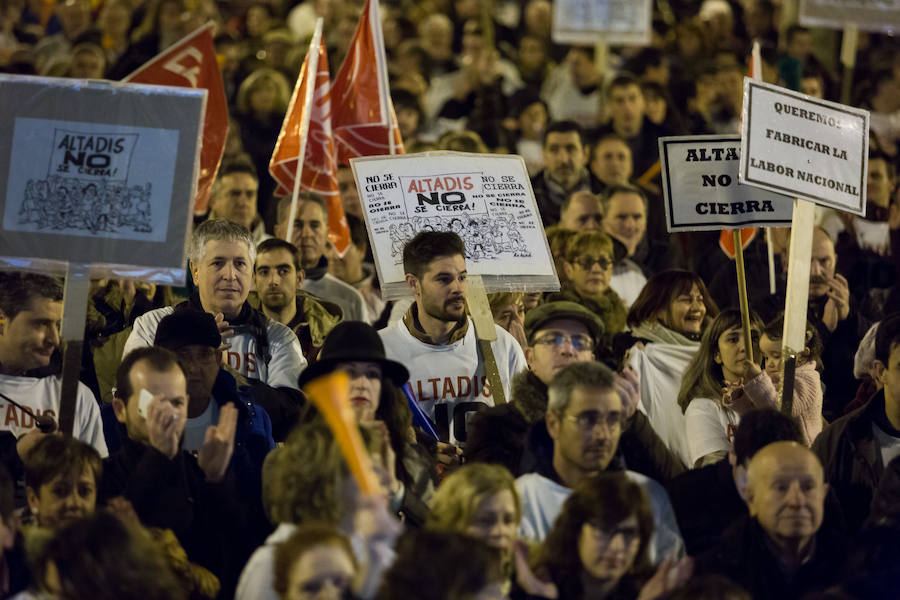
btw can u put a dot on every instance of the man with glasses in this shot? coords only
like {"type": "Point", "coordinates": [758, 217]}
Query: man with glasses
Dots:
{"type": "Point", "coordinates": [584, 418]}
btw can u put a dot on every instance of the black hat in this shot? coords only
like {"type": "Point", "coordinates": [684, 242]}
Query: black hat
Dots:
{"type": "Point", "coordinates": [562, 309]}
{"type": "Point", "coordinates": [353, 341]}
{"type": "Point", "coordinates": [187, 327]}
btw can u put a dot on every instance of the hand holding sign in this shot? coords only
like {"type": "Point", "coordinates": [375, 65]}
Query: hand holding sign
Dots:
{"type": "Point", "coordinates": [331, 395]}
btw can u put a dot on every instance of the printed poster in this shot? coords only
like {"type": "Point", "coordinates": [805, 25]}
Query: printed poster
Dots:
{"type": "Point", "coordinates": [100, 174]}
{"type": "Point", "coordinates": [612, 21]}
{"type": "Point", "coordinates": [486, 199]}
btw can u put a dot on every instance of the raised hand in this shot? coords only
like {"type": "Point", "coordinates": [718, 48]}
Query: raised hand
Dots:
{"type": "Point", "coordinates": [525, 577]}
{"type": "Point", "coordinates": [224, 331]}
{"type": "Point", "coordinates": [164, 426]}
{"type": "Point", "coordinates": [629, 388]}
{"type": "Point", "coordinates": [218, 446]}
{"type": "Point", "coordinates": [837, 307]}
{"type": "Point", "coordinates": [670, 576]}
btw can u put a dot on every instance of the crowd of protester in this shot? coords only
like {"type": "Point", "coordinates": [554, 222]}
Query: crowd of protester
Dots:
{"type": "Point", "coordinates": [639, 452]}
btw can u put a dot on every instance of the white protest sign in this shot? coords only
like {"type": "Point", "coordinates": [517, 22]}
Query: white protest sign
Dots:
{"type": "Point", "coordinates": [701, 188]}
{"type": "Point", "coordinates": [868, 15]}
{"type": "Point", "coordinates": [808, 148]}
{"type": "Point", "coordinates": [97, 173]}
{"type": "Point", "coordinates": [485, 198]}
{"type": "Point", "coordinates": [612, 21]}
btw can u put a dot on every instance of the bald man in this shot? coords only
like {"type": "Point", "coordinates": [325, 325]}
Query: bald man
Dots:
{"type": "Point", "coordinates": [781, 551]}
{"type": "Point", "coordinates": [582, 211]}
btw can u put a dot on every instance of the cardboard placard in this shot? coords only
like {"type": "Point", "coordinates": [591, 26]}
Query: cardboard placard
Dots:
{"type": "Point", "coordinates": [867, 15]}
{"type": "Point", "coordinates": [486, 198]}
{"type": "Point", "coordinates": [808, 148]}
{"type": "Point", "coordinates": [98, 173]}
{"type": "Point", "coordinates": [702, 191]}
{"type": "Point", "coordinates": [612, 21]}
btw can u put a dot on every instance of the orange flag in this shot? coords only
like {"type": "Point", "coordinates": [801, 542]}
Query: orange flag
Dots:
{"type": "Point", "coordinates": [192, 63]}
{"type": "Point", "coordinates": [306, 136]}
{"type": "Point", "coordinates": [364, 119]}
{"type": "Point", "coordinates": [726, 238]}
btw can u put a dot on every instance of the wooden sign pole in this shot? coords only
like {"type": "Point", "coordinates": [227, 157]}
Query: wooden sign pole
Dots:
{"type": "Point", "coordinates": [480, 311]}
{"type": "Point", "coordinates": [848, 59]}
{"type": "Point", "coordinates": [796, 298]}
{"type": "Point", "coordinates": [75, 299]}
{"type": "Point", "coordinates": [742, 292]}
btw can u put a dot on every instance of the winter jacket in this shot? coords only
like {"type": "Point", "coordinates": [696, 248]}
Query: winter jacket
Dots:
{"type": "Point", "coordinates": [852, 461]}
{"type": "Point", "coordinates": [207, 518]}
{"type": "Point", "coordinates": [743, 554]}
{"type": "Point", "coordinates": [314, 319]}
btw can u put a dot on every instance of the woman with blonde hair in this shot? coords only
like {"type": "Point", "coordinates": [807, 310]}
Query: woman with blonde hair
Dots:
{"type": "Point", "coordinates": [588, 264]}
{"type": "Point", "coordinates": [480, 500]}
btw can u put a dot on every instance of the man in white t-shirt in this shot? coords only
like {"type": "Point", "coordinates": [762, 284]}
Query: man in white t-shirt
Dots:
{"type": "Point", "coordinates": [30, 317]}
{"type": "Point", "coordinates": [584, 417]}
{"type": "Point", "coordinates": [436, 341]}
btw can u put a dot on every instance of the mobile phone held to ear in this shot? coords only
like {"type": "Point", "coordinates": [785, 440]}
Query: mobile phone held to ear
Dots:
{"type": "Point", "coordinates": [144, 400]}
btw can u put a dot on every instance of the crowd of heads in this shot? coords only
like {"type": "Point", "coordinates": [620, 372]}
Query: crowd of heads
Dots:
{"type": "Point", "coordinates": [646, 417]}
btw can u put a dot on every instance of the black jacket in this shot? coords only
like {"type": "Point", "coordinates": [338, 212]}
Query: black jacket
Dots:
{"type": "Point", "coordinates": [173, 494]}
{"type": "Point", "coordinates": [744, 555]}
{"type": "Point", "coordinates": [852, 459]}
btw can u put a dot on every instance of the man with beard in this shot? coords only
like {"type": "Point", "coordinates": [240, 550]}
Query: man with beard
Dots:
{"type": "Point", "coordinates": [436, 340]}
{"type": "Point", "coordinates": [564, 171]}
{"type": "Point", "coordinates": [584, 417]}
{"type": "Point", "coordinates": [278, 276]}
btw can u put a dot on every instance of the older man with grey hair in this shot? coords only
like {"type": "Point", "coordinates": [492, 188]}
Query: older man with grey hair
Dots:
{"type": "Point", "coordinates": [584, 417]}
{"type": "Point", "coordinates": [221, 262]}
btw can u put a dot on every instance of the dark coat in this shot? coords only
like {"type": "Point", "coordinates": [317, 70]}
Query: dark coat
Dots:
{"type": "Point", "coordinates": [706, 503]}
{"type": "Point", "coordinates": [852, 460]}
{"type": "Point", "coordinates": [207, 518]}
{"type": "Point", "coordinates": [744, 555]}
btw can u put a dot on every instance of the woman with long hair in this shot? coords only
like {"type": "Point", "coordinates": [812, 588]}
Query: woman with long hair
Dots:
{"type": "Point", "coordinates": [722, 383]}
{"type": "Point", "coordinates": [599, 545]}
{"type": "Point", "coordinates": [666, 322]}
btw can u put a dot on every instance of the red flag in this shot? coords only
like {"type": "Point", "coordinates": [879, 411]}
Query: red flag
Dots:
{"type": "Point", "coordinates": [726, 238]}
{"type": "Point", "coordinates": [364, 119]}
{"type": "Point", "coordinates": [306, 132]}
{"type": "Point", "coordinates": [192, 63]}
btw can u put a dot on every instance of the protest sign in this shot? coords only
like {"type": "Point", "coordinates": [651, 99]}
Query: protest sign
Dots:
{"type": "Point", "coordinates": [98, 174]}
{"type": "Point", "coordinates": [486, 199]}
{"type": "Point", "coordinates": [701, 188]}
{"type": "Point", "coordinates": [867, 15]}
{"type": "Point", "coordinates": [612, 21]}
{"type": "Point", "coordinates": [812, 149]}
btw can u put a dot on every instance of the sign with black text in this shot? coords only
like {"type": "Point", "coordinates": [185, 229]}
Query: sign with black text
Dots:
{"type": "Point", "coordinates": [701, 188]}
{"type": "Point", "coordinates": [98, 173]}
{"type": "Point", "coordinates": [804, 147]}
{"type": "Point", "coordinates": [486, 199]}
{"type": "Point", "coordinates": [867, 15]}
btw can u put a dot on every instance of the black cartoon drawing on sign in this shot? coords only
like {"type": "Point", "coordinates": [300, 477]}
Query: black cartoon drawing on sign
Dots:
{"type": "Point", "coordinates": [58, 203]}
{"type": "Point", "coordinates": [484, 237]}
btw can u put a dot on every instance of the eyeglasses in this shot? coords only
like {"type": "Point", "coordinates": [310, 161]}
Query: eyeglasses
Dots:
{"type": "Point", "coordinates": [587, 262]}
{"type": "Point", "coordinates": [589, 419]}
{"type": "Point", "coordinates": [578, 342]}
{"type": "Point", "coordinates": [629, 533]}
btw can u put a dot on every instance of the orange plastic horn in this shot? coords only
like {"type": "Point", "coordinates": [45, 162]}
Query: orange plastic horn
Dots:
{"type": "Point", "coordinates": [331, 395]}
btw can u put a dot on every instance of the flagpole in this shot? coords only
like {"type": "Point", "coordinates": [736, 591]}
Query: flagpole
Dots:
{"type": "Point", "coordinates": [770, 251]}
{"type": "Point", "coordinates": [311, 74]}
